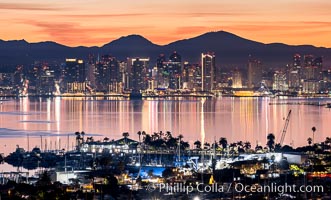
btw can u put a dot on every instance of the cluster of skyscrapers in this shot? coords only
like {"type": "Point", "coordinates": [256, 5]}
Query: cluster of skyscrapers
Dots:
{"type": "Point", "coordinates": [107, 75]}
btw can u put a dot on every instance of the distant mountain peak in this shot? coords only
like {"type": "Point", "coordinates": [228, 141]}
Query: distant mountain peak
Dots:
{"type": "Point", "coordinates": [133, 39]}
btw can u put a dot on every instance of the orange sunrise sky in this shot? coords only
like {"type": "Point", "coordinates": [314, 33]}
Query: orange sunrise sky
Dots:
{"type": "Point", "coordinates": [96, 22]}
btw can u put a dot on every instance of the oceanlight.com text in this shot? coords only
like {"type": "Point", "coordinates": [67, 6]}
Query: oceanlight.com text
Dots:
{"type": "Point", "coordinates": [234, 187]}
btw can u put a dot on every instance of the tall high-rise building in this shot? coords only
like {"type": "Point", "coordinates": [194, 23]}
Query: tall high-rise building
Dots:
{"type": "Point", "coordinates": [254, 73]}
{"type": "Point", "coordinates": [75, 70]}
{"type": "Point", "coordinates": [279, 81]}
{"type": "Point", "coordinates": [312, 67]}
{"type": "Point", "coordinates": [91, 71]}
{"type": "Point", "coordinates": [208, 71]}
{"type": "Point", "coordinates": [108, 76]}
{"type": "Point", "coordinates": [169, 72]}
{"type": "Point", "coordinates": [236, 79]}
{"type": "Point", "coordinates": [308, 70]}
{"type": "Point", "coordinates": [295, 73]}
{"type": "Point", "coordinates": [160, 60]}
{"type": "Point", "coordinates": [75, 75]}
{"type": "Point", "coordinates": [46, 85]}
{"type": "Point", "coordinates": [174, 69]}
{"type": "Point", "coordinates": [297, 61]}
{"type": "Point", "coordinates": [162, 76]}
{"type": "Point", "coordinates": [318, 67]}
{"type": "Point", "coordinates": [138, 78]}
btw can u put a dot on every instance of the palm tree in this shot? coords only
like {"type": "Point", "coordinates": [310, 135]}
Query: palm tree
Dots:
{"type": "Point", "coordinates": [143, 133]}
{"type": "Point", "coordinates": [82, 134]}
{"type": "Point", "coordinates": [223, 142]}
{"type": "Point", "coordinates": [89, 139]}
{"type": "Point", "coordinates": [168, 135]}
{"type": "Point", "coordinates": [313, 129]}
{"type": "Point", "coordinates": [271, 141]}
{"type": "Point", "coordinates": [206, 145]}
{"type": "Point", "coordinates": [180, 137]}
{"type": "Point", "coordinates": [106, 139]}
{"type": "Point", "coordinates": [161, 134]}
{"type": "Point", "coordinates": [214, 145]}
{"type": "Point", "coordinates": [139, 134]}
{"type": "Point", "coordinates": [197, 144]}
{"type": "Point", "coordinates": [309, 140]}
{"type": "Point", "coordinates": [240, 143]}
{"type": "Point", "coordinates": [125, 135]}
{"type": "Point", "coordinates": [78, 138]}
{"type": "Point", "coordinates": [247, 145]}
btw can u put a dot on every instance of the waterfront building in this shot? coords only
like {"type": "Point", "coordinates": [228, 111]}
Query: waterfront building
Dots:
{"type": "Point", "coordinates": [46, 85]}
{"type": "Point", "coordinates": [174, 69]}
{"type": "Point", "coordinates": [6, 77]}
{"type": "Point", "coordinates": [169, 72]}
{"type": "Point", "coordinates": [91, 71]}
{"type": "Point", "coordinates": [75, 75]}
{"type": "Point", "coordinates": [254, 73]}
{"type": "Point", "coordinates": [311, 86]}
{"type": "Point", "coordinates": [108, 76]}
{"type": "Point", "coordinates": [125, 75]}
{"type": "Point", "coordinates": [280, 81]}
{"type": "Point", "coordinates": [236, 79]}
{"type": "Point", "coordinates": [162, 76]}
{"type": "Point", "coordinates": [294, 72]}
{"type": "Point", "coordinates": [208, 68]}
{"type": "Point", "coordinates": [138, 68]}
{"type": "Point", "coordinates": [191, 76]}
{"type": "Point", "coordinates": [121, 146]}
{"type": "Point", "coordinates": [318, 68]}
{"type": "Point", "coordinates": [312, 67]}
{"type": "Point", "coordinates": [6, 81]}
{"type": "Point", "coordinates": [308, 67]}
{"type": "Point", "coordinates": [152, 81]}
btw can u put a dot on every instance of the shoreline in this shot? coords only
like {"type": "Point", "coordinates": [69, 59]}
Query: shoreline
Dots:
{"type": "Point", "coordinates": [167, 96]}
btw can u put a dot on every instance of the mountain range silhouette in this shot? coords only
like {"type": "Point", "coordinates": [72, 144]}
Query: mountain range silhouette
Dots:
{"type": "Point", "coordinates": [230, 49]}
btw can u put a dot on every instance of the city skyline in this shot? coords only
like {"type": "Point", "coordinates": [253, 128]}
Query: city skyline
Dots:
{"type": "Point", "coordinates": [94, 23]}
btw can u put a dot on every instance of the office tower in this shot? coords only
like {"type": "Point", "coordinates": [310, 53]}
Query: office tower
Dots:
{"type": "Point", "coordinates": [308, 70]}
{"type": "Point", "coordinates": [208, 71]}
{"type": "Point", "coordinates": [46, 85]}
{"type": "Point", "coordinates": [125, 75]}
{"type": "Point", "coordinates": [185, 75]}
{"type": "Point", "coordinates": [317, 68]}
{"type": "Point", "coordinates": [75, 75]}
{"type": "Point", "coordinates": [160, 60]}
{"type": "Point", "coordinates": [297, 62]}
{"type": "Point", "coordinates": [7, 81]}
{"type": "Point", "coordinates": [295, 73]}
{"type": "Point", "coordinates": [254, 73]}
{"type": "Point", "coordinates": [108, 76]}
{"type": "Point", "coordinates": [75, 70]}
{"type": "Point", "coordinates": [173, 68]}
{"type": "Point", "coordinates": [279, 81]}
{"type": "Point", "coordinates": [6, 78]}
{"type": "Point", "coordinates": [191, 76]}
{"type": "Point", "coordinates": [152, 80]}
{"type": "Point", "coordinates": [138, 77]}
{"type": "Point", "coordinates": [310, 86]}
{"type": "Point", "coordinates": [91, 71]}
{"type": "Point", "coordinates": [162, 76]}
{"type": "Point", "coordinates": [236, 79]}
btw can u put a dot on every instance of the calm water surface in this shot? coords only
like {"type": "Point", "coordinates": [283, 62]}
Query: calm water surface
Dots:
{"type": "Point", "coordinates": [28, 121]}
